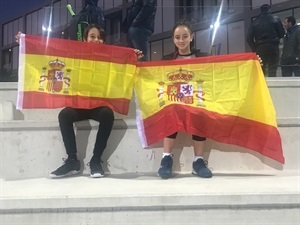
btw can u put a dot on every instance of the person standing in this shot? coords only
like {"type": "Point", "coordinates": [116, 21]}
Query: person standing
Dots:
{"type": "Point", "coordinates": [290, 58]}
{"type": "Point", "coordinates": [139, 24]}
{"type": "Point", "coordinates": [90, 14]}
{"type": "Point", "coordinates": [263, 38]}
{"type": "Point", "coordinates": [183, 41]}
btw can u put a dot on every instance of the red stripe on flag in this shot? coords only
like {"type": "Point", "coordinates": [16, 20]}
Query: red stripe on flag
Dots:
{"type": "Point", "coordinates": [200, 60]}
{"type": "Point", "coordinates": [228, 129]}
{"type": "Point", "coordinates": [39, 100]}
{"type": "Point", "coordinates": [41, 45]}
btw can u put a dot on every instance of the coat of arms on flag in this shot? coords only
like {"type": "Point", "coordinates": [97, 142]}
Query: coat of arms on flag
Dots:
{"type": "Point", "coordinates": [55, 78]}
{"type": "Point", "coordinates": [180, 89]}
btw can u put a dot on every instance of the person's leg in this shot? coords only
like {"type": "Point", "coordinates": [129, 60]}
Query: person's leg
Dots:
{"type": "Point", "coordinates": [165, 169]}
{"type": "Point", "coordinates": [296, 70]}
{"type": "Point", "coordinates": [286, 71]}
{"type": "Point", "coordinates": [168, 144]}
{"type": "Point", "coordinates": [129, 42]}
{"type": "Point", "coordinates": [139, 38]}
{"type": "Point", "coordinates": [105, 117]}
{"type": "Point", "coordinates": [198, 148]}
{"type": "Point", "coordinates": [264, 62]}
{"type": "Point", "coordinates": [199, 165]}
{"type": "Point", "coordinates": [273, 60]}
{"type": "Point", "coordinates": [66, 119]}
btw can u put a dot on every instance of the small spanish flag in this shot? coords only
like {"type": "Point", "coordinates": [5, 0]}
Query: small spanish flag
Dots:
{"type": "Point", "coordinates": [224, 98]}
{"type": "Point", "coordinates": [56, 73]}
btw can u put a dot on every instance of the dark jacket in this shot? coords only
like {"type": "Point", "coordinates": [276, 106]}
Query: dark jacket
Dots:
{"type": "Point", "coordinates": [91, 2]}
{"type": "Point", "coordinates": [140, 14]}
{"type": "Point", "coordinates": [95, 12]}
{"type": "Point", "coordinates": [291, 46]}
{"type": "Point", "coordinates": [266, 29]}
{"type": "Point", "coordinates": [174, 55]}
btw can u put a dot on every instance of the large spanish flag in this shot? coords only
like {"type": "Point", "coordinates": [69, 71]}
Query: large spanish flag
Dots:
{"type": "Point", "coordinates": [55, 73]}
{"type": "Point", "coordinates": [224, 98]}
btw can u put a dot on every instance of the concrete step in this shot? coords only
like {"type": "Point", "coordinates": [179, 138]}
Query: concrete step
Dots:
{"type": "Point", "coordinates": [38, 144]}
{"type": "Point", "coordinates": [6, 110]}
{"type": "Point", "coordinates": [247, 188]}
{"type": "Point", "coordinates": [33, 140]}
{"type": "Point", "coordinates": [229, 198]}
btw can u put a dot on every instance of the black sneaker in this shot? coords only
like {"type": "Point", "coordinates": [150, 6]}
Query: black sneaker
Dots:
{"type": "Point", "coordinates": [96, 168]}
{"type": "Point", "coordinates": [70, 167]}
{"type": "Point", "coordinates": [200, 169]}
{"type": "Point", "coordinates": [165, 170]}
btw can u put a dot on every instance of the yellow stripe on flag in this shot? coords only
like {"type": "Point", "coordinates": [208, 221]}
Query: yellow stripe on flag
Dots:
{"type": "Point", "coordinates": [87, 78]}
{"type": "Point", "coordinates": [225, 86]}
{"type": "Point", "coordinates": [55, 73]}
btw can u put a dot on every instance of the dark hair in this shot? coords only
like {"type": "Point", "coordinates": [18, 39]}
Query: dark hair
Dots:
{"type": "Point", "coordinates": [291, 19]}
{"type": "Point", "coordinates": [98, 27]}
{"type": "Point", "coordinates": [186, 24]}
{"type": "Point", "coordinates": [265, 8]}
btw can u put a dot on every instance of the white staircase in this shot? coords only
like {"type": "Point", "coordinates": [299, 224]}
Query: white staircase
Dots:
{"type": "Point", "coordinates": [247, 188]}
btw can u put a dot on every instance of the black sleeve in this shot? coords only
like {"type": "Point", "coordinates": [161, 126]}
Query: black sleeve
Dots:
{"type": "Point", "coordinates": [279, 28]}
{"type": "Point", "coordinates": [147, 10]}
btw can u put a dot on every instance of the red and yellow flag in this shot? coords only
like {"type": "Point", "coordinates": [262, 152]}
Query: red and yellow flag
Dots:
{"type": "Point", "coordinates": [224, 98]}
{"type": "Point", "coordinates": [55, 73]}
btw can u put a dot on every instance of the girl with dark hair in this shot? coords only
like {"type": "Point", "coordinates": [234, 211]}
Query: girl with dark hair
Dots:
{"type": "Point", "coordinates": [94, 33]}
{"type": "Point", "coordinates": [104, 115]}
{"type": "Point", "coordinates": [67, 116]}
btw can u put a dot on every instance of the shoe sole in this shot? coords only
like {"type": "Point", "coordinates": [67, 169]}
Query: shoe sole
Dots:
{"type": "Point", "coordinates": [164, 177]}
{"type": "Point", "coordinates": [97, 175]}
{"type": "Point", "coordinates": [196, 174]}
{"type": "Point", "coordinates": [71, 173]}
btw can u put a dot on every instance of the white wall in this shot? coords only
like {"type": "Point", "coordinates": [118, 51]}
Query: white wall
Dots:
{"type": "Point", "coordinates": [236, 37]}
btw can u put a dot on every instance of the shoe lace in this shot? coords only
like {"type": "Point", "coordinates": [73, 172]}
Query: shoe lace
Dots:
{"type": "Point", "coordinates": [89, 163]}
{"type": "Point", "coordinates": [206, 164]}
{"type": "Point", "coordinates": [66, 160]}
{"type": "Point", "coordinates": [65, 165]}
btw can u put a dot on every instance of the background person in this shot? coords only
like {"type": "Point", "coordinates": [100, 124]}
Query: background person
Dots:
{"type": "Point", "coordinates": [290, 58]}
{"type": "Point", "coordinates": [263, 38]}
{"type": "Point", "coordinates": [139, 24]}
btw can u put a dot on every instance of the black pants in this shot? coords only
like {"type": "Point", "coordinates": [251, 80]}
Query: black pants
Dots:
{"type": "Point", "coordinates": [194, 137]}
{"type": "Point", "coordinates": [269, 55]}
{"type": "Point", "coordinates": [289, 70]}
{"type": "Point", "coordinates": [68, 116]}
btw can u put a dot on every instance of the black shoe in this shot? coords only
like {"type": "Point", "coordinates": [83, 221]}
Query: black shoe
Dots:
{"type": "Point", "coordinates": [96, 168]}
{"type": "Point", "coordinates": [200, 169]}
{"type": "Point", "coordinates": [70, 167]}
{"type": "Point", "coordinates": [165, 170]}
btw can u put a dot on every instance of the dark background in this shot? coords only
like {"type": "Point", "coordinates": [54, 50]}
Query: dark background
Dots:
{"type": "Point", "coordinates": [10, 9]}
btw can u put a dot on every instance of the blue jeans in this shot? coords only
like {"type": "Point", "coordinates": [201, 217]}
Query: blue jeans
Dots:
{"type": "Point", "coordinates": [138, 38]}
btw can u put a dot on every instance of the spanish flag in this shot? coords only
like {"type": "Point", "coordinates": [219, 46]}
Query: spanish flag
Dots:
{"type": "Point", "coordinates": [56, 73]}
{"type": "Point", "coordinates": [224, 98]}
